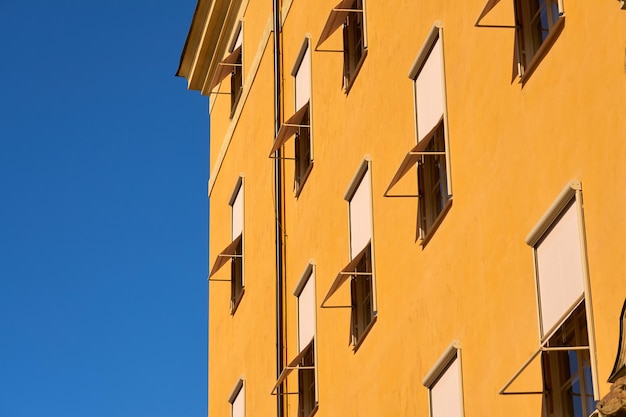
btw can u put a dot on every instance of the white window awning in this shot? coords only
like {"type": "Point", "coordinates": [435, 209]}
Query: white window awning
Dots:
{"type": "Point", "coordinates": [225, 67]}
{"type": "Point", "coordinates": [294, 364]}
{"type": "Point", "coordinates": [411, 159]}
{"type": "Point", "coordinates": [337, 17]}
{"type": "Point", "coordinates": [290, 127]}
{"type": "Point", "coordinates": [226, 255]}
{"type": "Point", "coordinates": [346, 272]}
{"type": "Point", "coordinates": [536, 353]}
{"type": "Point", "coordinates": [488, 7]}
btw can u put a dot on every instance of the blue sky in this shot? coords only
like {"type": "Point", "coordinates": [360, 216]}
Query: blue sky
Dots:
{"type": "Point", "coordinates": [103, 212]}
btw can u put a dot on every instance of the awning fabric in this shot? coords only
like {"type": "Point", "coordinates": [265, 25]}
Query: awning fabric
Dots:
{"type": "Point", "coordinates": [289, 128]}
{"type": "Point", "coordinates": [226, 255]}
{"type": "Point", "coordinates": [291, 366]}
{"type": "Point", "coordinates": [411, 159]}
{"type": "Point", "coordinates": [225, 67]}
{"type": "Point", "coordinates": [336, 18]}
{"type": "Point", "coordinates": [488, 6]}
{"type": "Point", "coordinates": [344, 274]}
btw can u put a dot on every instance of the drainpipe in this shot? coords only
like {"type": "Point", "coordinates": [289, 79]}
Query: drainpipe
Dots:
{"type": "Point", "coordinates": [278, 192]}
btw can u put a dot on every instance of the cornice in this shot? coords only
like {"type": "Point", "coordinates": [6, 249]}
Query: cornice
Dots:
{"type": "Point", "coordinates": [207, 40]}
{"type": "Point", "coordinates": [192, 41]}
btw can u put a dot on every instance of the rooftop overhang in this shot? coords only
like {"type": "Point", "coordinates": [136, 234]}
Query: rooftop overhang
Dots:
{"type": "Point", "coordinates": [207, 41]}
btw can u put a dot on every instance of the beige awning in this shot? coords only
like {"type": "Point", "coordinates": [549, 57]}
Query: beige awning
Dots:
{"type": "Point", "coordinates": [488, 6]}
{"type": "Point", "coordinates": [336, 18]}
{"type": "Point", "coordinates": [290, 127]}
{"type": "Point", "coordinates": [526, 364]}
{"type": "Point", "coordinates": [226, 67]}
{"type": "Point", "coordinates": [345, 273]}
{"type": "Point", "coordinates": [411, 158]}
{"type": "Point", "coordinates": [226, 255]}
{"type": "Point", "coordinates": [291, 366]}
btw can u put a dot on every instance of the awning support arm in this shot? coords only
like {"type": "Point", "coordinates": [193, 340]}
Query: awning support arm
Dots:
{"type": "Point", "coordinates": [480, 25]}
{"type": "Point", "coordinates": [282, 157]}
{"type": "Point", "coordinates": [427, 153]}
{"type": "Point", "coordinates": [401, 195]}
{"type": "Point", "coordinates": [528, 362]}
{"type": "Point", "coordinates": [289, 124]}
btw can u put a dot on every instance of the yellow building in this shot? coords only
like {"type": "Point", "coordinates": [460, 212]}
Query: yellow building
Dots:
{"type": "Point", "coordinates": [416, 207]}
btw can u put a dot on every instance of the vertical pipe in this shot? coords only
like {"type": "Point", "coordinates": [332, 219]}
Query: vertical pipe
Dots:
{"type": "Point", "coordinates": [278, 207]}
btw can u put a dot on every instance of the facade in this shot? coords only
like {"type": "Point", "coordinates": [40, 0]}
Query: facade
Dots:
{"type": "Point", "coordinates": [416, 207]}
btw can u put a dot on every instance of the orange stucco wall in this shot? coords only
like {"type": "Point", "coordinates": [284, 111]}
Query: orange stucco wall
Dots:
{"type": "Point", "coordinates": [513, 147]}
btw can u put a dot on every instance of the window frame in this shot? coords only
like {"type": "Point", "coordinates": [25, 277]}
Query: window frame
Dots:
{"type": "Point", "coordinates": [428, 222]}
{"type": "Point", "coordinates": [340, 16]}
{"type": "Point", "coordinates": [432, 206]}
{"type": "Point", "coordinates": [301, 174]}
{"type": "Point", "coordinates": [238, 389]}
{"type": "Point", "coordinates": [556, 366]}
{"type": "Point", "coordinates": [362, 297]}
{"type": "Point", "coordinates": [571, 194]}
{"type": "Point", "coordinates": [235, 250]}
{"type": "Point", "coordinates": [308, 276]}
{"type": "Point", "coordinates": [236, 78]}
{"type": "Point", "coordinates": [434, 38]}
{"type": "Point", "coordinates": [354, 47]}
{"type": "Point", "coordinates": [359, 330]}
{"type": "Point", "coordinates": [306, 349]}
{"type": "Point", "coordinates": [451, 355]}
{"type": "Point", "coordinates": [237, 263]}
{"type": "Point", "coordinates": [526, 34]}
{"type": "Point", "coordinates": [356, 256]}
{"type": "Point", "coordinates": [299, 124]}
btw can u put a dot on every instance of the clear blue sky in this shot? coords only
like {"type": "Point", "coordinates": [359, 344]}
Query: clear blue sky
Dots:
{"type": "Point", "coordinates": [103, 212]}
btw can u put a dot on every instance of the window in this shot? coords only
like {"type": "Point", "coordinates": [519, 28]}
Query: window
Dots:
{"type": "Point", "coordinates": [360, 269]}
{"type": "Point", "coordinates": [305, 291]}
{"type": "Point", "coordinates": [361, 295]}
{"type": "Point", "coordinates": [431, 154]}
{"type": "Point", "coordinates": [304, 362]}
{"type": "Point", "coordinates": [432, 177]}
{"type": "Point", "coordinates": [304, 156]}
{"type": "Point", "coordinates": [567, 374]}
{"type": "Point", "coordinates": [307, 403]}
{"type": "Point", "coordinates": [236, 79]}
{"type": "Point", "coordinates": [566, 344]}
{"type": "Point", "coordinates": [232, 65]}
{"type": "Point", "coordinates": [559, 252]}
{"type": "Point", "coordinates": [537, 20]}
{"type": "Point", "coordinates": [236, 286]}
{"type": "Point", "coordinates": [444, 383]}
{"type": "Point", "coordinates": [430, 106]}
{"type": "Point", "coordinates": [359, 198]}
{"type": "Point", "coordinates": [353, 44]}
{"type": "Point", "coordinates": [351, 15]}
{"type": "Point", "coordinates": [237, 400]}
{"type": "Point", "coordinates": [234, 251]}
{"type": "Point", "coordinates": [299, 124]}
